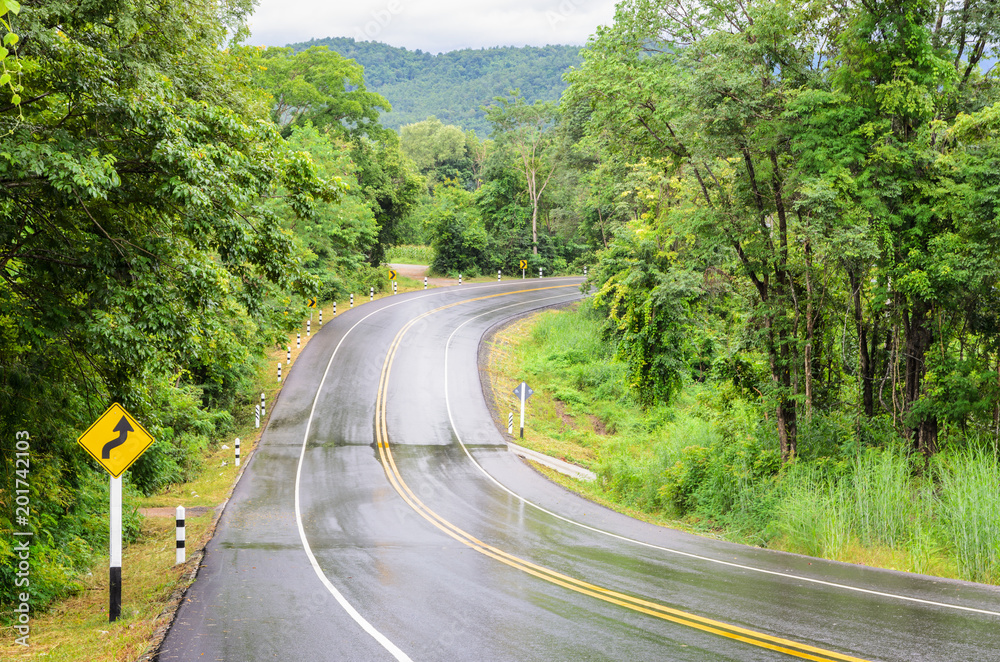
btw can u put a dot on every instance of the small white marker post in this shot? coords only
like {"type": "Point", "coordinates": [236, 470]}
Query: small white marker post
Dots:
{"type": "Point", "coordinates": [395, 287]}
{"type": "Point", "coordinates": [498, 275]}
{"type": "Point", "coordinates": [584, 271]}
{"type": "Point", "coordinates": [298, 341]}
{"type": "Point", "coordinates": [257, 416]}
{"type": "Point", "coordinates": [510, 423]}
{"type": "Point", "coordinates": [237, 451]}
{"type": "Point", "coordinates": [334, 308]}
{"type": "Point", "coordinates": [115, 571]}
{"type": "Point", "coordinates": [425, 282]}
{"type": "Point", "coordinates": [371, 293]}
{"type": "Point", "coordinates": [262, 412]}
{"type": "Point", "coordinates": [309, 326]}
{"type": "Point", "coordinates": [459, 279]}
{"type": "Point", "coordinates": [539, 272]}
{"type": "Point", "coordinates": [352, 300]}
{"type": "Point", "coordinates": [181, 551]}
{"type": "Point", "coordinates": [279, 371]}
{"type": "Point", "coordinates": [288, 356]}
{"type": "Point", "coordinates": [321, 317]}
{"type": "Point", "coordinates": [523, 391]}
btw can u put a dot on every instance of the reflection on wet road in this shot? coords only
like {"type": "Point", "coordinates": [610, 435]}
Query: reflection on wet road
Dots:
{"type": "Point", "coordinates": [383, 518]}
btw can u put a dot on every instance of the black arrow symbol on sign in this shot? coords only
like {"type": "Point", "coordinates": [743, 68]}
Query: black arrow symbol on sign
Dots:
{"type": "Point", "coordinates": [123, 428]}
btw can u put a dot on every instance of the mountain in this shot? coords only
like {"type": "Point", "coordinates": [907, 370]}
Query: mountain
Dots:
{"type": "Point", "coordinates": [452, 86]}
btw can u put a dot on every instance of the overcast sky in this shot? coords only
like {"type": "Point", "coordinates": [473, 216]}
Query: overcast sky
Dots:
{"type": "Point", "coordinates": [431, 25]}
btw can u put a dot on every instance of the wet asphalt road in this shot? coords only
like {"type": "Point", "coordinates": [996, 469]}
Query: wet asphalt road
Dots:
{"type": "Point", "coordinates": [408, 531]}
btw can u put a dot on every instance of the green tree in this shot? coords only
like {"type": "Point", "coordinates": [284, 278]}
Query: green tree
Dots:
{"type": "Point", "coordinates": [529, 131]}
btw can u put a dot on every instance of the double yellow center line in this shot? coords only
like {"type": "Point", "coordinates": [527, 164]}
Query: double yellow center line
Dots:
{"type": "Point", "coordinates": [752, 637]}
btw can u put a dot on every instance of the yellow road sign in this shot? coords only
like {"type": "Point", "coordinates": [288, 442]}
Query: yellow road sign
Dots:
{"type": "Point", "coordinates": [392, 275]}
{"type": "Point", "coordinates": [115, 440]}
{"type": "Point", "coordinates": [524, 264]}
{"type": "Point", "coordinates": [311, 303]}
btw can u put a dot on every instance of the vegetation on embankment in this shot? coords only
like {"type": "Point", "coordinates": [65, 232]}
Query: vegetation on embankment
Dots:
{"type": "Point", "coordinates": [710, 462]}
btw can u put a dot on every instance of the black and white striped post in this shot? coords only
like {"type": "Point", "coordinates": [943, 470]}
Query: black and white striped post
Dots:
{"type": "Point", "coordinates": [279, 371]}
{"type": "Point", "coordinates": [584, 271]}
{"type": "Point", "coordinates": [181, 537]}
{"type": "Point", "coordinates": [459, 279]}
{"type": "Point", "coordinates": [237, 451]}
{"type": "Point", "coordinates": [510, 423]}
{"type": "Point", "coordinates": [321, 317]}
{"type": "Point", "coordinates": [262, 412]}
{"type": "Point", "coordinates": [395, 287]}
{"type": "Point", "coordinates": [256, 416]}
{"type": "Point", "coordinates": [352, 300]}
{"type": "Point", "coordinates": [298, 341]}
{"type": "Point", "coordinates": [288, 356]}
{"type": "Point", "coordinates": [498, 275]}
{"type": "Point", "coordinates": [334, 308]}
{"type": "Point", "coordinates": [425, 282]}
{"type": "Point", "coordinates": [115, 571]}
{"type": "Point", "coordinates": [309, 326]}
{"type": "Point", "coordinates": [539, 272]}
{"type": "Point", "coordinates": [371, 293]}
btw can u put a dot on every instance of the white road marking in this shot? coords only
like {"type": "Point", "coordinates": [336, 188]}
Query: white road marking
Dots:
{"type": "Point", "coordinates": [699, 557]}
{"type": "Point", "coordinates": [338, 596]}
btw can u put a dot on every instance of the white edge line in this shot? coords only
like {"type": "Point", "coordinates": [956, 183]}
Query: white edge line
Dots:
{"type": "Point", "coordinates": [776, 573]}
{"type": "Point", "coordinates": [338, 596]}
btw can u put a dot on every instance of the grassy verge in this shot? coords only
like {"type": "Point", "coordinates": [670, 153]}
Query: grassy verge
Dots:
{"type": "Point", "coordinates": [709, 463]}
{"type": "Point", "coordinates": [410, 254]}
{"type": "Point", "coordinates": [77, 628]}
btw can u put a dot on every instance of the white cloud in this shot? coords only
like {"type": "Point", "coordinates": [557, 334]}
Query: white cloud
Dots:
{"type": "Point", "coordinates": [430, 25]}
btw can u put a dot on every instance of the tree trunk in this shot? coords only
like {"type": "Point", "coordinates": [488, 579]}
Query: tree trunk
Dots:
{"type": "Point", "coordinates": [919, 337]}
{"type": "Point", "coordinates": [866, 371]}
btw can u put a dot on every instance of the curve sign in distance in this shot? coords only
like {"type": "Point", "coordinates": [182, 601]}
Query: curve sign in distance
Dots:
{"type": "Point", "coordinates": [392, 275]}
{"type": "Point", "coordinates": [115, 440]}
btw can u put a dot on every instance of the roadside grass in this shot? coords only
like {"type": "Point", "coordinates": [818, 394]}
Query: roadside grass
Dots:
{"type": "Point", "coordinates": [410, 254]}
{"type": "Point", "coordinates": [709, 463]}
{"type": "Point", "coordinates": [77, 627]}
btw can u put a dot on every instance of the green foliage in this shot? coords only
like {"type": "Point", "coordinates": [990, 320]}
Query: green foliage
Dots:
{"type": "Point", "coordinates": [453, 86]}
{"type": "Point", "coordinates": [459, 236]}
{"type": "Point", "coordinates": [141, 257]}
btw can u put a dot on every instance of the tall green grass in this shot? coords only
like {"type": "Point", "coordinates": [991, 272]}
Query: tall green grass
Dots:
{"type": "Point", "coordinates": [410, 254]}
{"type": "Point", "coordinates": [711, 460]}
{"type": "Point", "coordinates": [969, 511]}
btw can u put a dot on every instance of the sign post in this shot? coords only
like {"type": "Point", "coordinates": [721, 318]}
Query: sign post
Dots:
{"type": "Point", "coordinates": [523, 391]}
{"type": "Point", "coordinates": [524, 266]}
{"type": "Point", "coordinates": [115, 440]}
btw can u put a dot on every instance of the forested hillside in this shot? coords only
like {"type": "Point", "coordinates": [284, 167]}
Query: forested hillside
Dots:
{"type": "Point", "coordinates": [453, 86]}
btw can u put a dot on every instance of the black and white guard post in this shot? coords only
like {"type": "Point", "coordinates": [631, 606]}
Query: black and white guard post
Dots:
{"type": "Point", "coordinates": [262, 412]}
{"type": "Point", "coordinates": [498, 275]}
{"type": "Point", "coordinates": [459, 279]}
{"type": "Point", "coordinates": [425, 282]}
{"type": "Point", "coordinates": [115, 572]}
{"type": "Point", "coordinates": [510, 423]}
{"type": "Point", "coordinates": [352, 300]}
{"type": "Point", "coordinates": [279, 371]}
{"type": "Point", "coordinates": [334, 308]}
{"type": "Point", "coordinates": [371, 293]}
{"type": "Point", "coordinates": [257, 416]}
{"type": "Point", "coordinates": [288, 356]}
{"type": "Point", "coordinates": [523, 391]}
{"type": "Point", "coordinates": [309, 326]}
{"type": "Point", "coordinates": [395, 287]}
{"type": "Point", "coordinates": [181, 537]}
{"type": "Point", "coordinates": [237, 451]}
{"type": "Point", "coordinates": [321, 317]}
{"type": "Point", "coordinates": [298, 341]}
{"type": "Point", "coordinates": [585, 272]}
{"type": "Point", "coordinates": [539, 272]}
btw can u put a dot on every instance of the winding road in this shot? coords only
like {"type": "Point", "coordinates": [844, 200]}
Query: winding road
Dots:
{"type": "Point", "coordinates": [382, 517]}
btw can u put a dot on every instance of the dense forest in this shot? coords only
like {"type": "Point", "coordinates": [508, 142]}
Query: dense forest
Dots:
{"type": "Point", "coordinates": [453, 86]}
{"type": "Point", "coordinates": [788, 208]}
